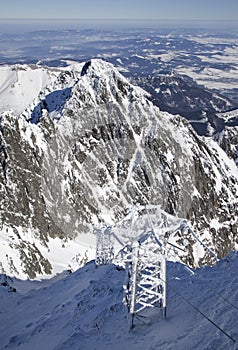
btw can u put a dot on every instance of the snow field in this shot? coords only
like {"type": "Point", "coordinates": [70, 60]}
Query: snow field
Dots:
{"type": "Point", "coordinates": [84, 310]}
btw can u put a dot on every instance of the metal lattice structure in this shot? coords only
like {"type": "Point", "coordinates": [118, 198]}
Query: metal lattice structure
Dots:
{"type": "Point", "coordinates": [104, 245]}
{"type": "Point", "coordinates": [146, 276]}
{"type": "Point", "coordinates": [141, 239]}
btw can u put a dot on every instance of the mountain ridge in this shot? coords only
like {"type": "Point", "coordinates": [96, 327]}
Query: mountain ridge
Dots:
{"type": "Point", "coordinates": [90, 153]}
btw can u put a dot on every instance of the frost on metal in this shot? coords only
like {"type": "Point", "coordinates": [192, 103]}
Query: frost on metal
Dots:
{"type": "Point", "coordinates": [104, 246]}
{"type": "Point", "coordinates": [146, 274]}
{"type": "Point", "coordinates": [142, 251]}
{"type": "Point", "coordinates": [141, 242]}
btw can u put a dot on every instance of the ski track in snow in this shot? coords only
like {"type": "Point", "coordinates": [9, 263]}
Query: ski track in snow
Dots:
{"type": "Point", "coordinates": [84, 311]}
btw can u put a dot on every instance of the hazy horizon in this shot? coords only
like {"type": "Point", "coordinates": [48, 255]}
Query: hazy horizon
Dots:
{"type": "Point", "coordinates": [125, 9]}
{"type": "Point", "coordinates": [17, 25]}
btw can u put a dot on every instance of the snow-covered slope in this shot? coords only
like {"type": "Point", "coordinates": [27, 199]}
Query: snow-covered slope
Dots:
{"type": "Point", "coordinates": [21, 84]}
{"type": "Point", "coordinates": [84, 310]}
{"type": "Point", "coordinates": [88, 148]}
{"type": "Point", "coordinates": [228, 141]}
{"type": "Point", "coordinates": [227, 138]}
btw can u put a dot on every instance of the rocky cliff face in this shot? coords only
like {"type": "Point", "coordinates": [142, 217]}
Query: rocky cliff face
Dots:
{"type": "Point", "coordinates": [228, 141]}
{"type": "Point", "coordinates": [227, 138]}
{"type": "Point", "coordinates": [89, 147]}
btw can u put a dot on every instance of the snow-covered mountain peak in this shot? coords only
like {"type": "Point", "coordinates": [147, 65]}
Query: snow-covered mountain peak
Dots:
{"type": "Point", "coordinates": [88, 148]}
{"type": "Point", "coordinates": [100, 83]}
{"type": "Point", "coordinates": [97, 67]}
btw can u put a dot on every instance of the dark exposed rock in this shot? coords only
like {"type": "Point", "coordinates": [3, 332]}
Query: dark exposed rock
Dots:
{"type": "Point", "coordinates": [108, 149]}
{"type": "Point", "coordinates": [228, 141]}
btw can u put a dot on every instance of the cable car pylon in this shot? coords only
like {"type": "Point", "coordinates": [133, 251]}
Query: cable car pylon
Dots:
{"type": "Point", "coordinates": [142, 248]}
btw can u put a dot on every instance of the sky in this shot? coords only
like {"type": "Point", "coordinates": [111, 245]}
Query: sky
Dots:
{"type": "Point", "coordinates": [127, 9]}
